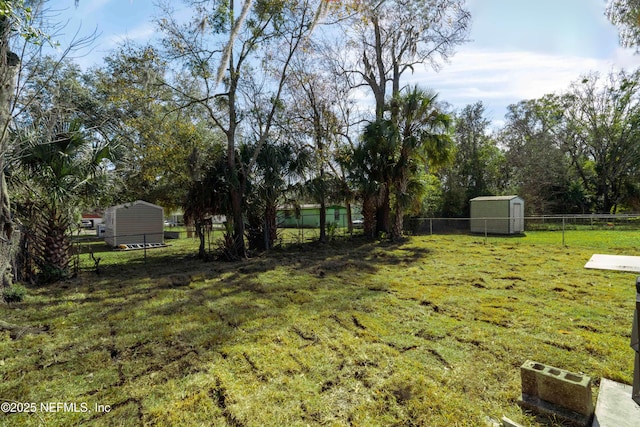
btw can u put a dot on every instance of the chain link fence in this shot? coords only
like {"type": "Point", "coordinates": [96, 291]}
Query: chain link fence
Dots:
{"type": "Point", "coordinates": [141, 247]}
{"type": "Point", "coordinates": [300, 229]}
{"type": "Point", "coordinates": [306, 228]}
{"type": "Point", "coordinates": [422, 226]}
{"type": "Point", "coordinates": [563, 225]}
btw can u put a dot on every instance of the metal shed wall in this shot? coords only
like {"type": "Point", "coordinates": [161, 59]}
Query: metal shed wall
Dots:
{"type": "Point", "coordinates": [497, 215]}
{"type": "Point", "coordinates": [134, 223]}
{"type": "Point", "coordinates": [310, 216]}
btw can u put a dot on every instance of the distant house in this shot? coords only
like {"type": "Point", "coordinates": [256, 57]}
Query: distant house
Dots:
{"type": "Point", "coordinates": [137, 222]}
{"type": "Point", "coordinates": [91, 220]}
{"type": "Point", "coordinates": [497, 215]}
{"type": "Point", "coordinates": [308, 216]}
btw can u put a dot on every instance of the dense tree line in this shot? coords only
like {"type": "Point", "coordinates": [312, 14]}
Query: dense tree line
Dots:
{"type": "Point", "coordinates": [252, 105]}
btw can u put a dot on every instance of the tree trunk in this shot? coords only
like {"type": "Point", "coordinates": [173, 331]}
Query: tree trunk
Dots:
{"type": "Point", "coordinates": [236, 192]}
{"type": "Point", "coordinates": [398, 225]}
{"type": "Point", "coordinates": [323, 221]}
{"type": "Point", "coordinates": [369, 216]}
{"type": "Point", "coordinates": [323, 205]}
{"type": "Point", "coordinates": [401, 185]}
{"type": "Point", "coordinates": [9, 63]}
{"type": "Point", "coordinates": [383, 211]}
{"type": "Point", "coordinates": [52, 246]}
{"type": "Point", "coordinates": [271, 225]}
{"type": "Point", "coordinates": [202, 253]}
{"type": "Point", "coordinates": [238, 250]}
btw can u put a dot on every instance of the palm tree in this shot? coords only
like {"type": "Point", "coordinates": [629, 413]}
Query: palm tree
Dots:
{"type": "Point", "coordinates": [372, 166]}
{"type": "Point", "coordinates": [275, 165]}
{"type": "Point", "coordinates": [208, 193]}
{"type": "Point", "coordinates": [392, 154]}
{"type": "Point", "coordinates": [60, 163]}
{"type": "Point", "coordinates": [423, 140]}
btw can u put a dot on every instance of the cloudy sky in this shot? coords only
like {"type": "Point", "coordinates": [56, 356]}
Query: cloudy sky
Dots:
{"type": "Point", "coordinates": [523, 49]}
{"type": "Point", "coordinates": [519, 49]}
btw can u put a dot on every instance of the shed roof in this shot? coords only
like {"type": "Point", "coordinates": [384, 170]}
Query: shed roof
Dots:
{"type": "Point", "coordinates": [137, 202]}
{"type": "Point", "coordinates": [308, 206]}
{"type": "Point", "coordinates": [489, 198]}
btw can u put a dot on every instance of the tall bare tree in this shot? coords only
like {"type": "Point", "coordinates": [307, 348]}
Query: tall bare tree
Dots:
{"type": "Point", "coordinates": [387, 38]}
{"type": "Point", "coordinates": [221, 48]}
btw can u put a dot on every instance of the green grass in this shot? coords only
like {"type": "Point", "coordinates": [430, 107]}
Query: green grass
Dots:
{"type": "Point", "coordinates": [430, 332]}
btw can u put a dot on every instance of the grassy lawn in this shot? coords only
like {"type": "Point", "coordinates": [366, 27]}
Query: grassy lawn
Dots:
{"type": "Point", "coordinates": [430, 332]}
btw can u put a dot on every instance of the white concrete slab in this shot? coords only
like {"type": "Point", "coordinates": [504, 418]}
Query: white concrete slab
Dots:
{"type": "Point", "coordinates": [615, 407]}
{"type": "Point", "coordinates": [627, 263]}
{"type": "Point", "coordinates": [506, 422]}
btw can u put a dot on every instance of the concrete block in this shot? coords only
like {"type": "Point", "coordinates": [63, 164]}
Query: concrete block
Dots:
{"type": "Point", "coordinates": [556, 392]}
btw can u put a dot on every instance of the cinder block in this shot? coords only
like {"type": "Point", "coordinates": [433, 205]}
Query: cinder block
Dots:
{"type": "Point", "coordinates": [555, 391]}
{"type": "Point", "coordinates": [529, 373]}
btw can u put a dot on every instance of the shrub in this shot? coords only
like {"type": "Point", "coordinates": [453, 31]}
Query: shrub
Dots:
{"type": "Point", "coordinates": [51, 274]}
{"type": "Point", "coordinates": [14, 293]}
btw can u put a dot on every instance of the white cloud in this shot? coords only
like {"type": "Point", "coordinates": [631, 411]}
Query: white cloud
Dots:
{"type": "Point", "coordinates": [89, 7]}
{"type": "Point", "coordinates": [503, 78]}
{"type": "Point", "coordinates": [142, 32]}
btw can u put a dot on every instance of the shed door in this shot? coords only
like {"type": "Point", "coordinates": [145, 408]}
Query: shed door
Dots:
{"type": "Point", "coordinates": [517, 221]}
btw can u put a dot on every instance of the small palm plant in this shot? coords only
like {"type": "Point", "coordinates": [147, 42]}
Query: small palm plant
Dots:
{"type": "Point", "coordinates": [61, 164]}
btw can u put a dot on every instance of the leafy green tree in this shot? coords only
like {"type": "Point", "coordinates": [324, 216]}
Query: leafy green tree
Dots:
{"type": "Point", "coordinates": [625, 14]}
{"type": "Point", "coordinates": [578, 151]}
{"type": "Point", "coordinates": [601, 132]}
{"type": "Point", "coordinates": [208, 193]}
{"type": "Point", "coordinates": [539, 170]}
{"type": "Point", "coordinates": [23, 26]}
{"type": "Point", "coordinates": [371, 166]}
{"type": "Point", "coordinates": [16, 20]}
{"type": "Point", "coordinates": [478, 163]}
{"type": "Point", "coordinates": [276, 165]}
{"type": "Point", "coordinates": [388, 39]}
{"type": "Point", "coordinates": [359, 161]}
{"type": "Point", "coordinates": [314, 121]}
{"type": "Point", "coordinates": [135, 107]}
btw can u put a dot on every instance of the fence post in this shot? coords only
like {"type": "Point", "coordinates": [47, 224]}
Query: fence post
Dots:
{"type": "Point", "coordinates": [485, 231]}
{"type": "Point", "coordinates": [563, 231]}
{"type": "Point", "coordinates": [144, 240]}
{"type": "Point", "coordinates": [431, 226]}
{"type": "Point", "coordinates": [635, 344]}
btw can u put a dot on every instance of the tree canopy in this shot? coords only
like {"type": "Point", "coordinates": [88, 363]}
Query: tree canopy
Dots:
{"type": "Point", "coordinates": [625, 14]}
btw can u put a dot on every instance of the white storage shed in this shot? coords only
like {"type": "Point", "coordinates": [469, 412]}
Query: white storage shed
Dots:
{"type": "Point", "coordinates": [134, 223]}
{"type": "Point", "coordinates": [497, 215]}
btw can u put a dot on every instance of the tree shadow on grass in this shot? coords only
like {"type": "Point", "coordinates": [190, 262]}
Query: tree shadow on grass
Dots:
{"type": "Point", "coordinates": [155, 313]}
{"type": "Point", "coordinates": [125, 286]}
{"type": "Point", "coordinates": [331, 257]}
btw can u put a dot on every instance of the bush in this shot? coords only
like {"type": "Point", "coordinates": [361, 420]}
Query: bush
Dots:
{"type": "Point", "coordinates": [50, 274]}
{"type": "Point", "coordinates": [14, 293]}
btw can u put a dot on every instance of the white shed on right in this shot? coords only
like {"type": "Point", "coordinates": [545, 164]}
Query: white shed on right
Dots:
{"type": "Point", "coordinates": [497, 215]}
